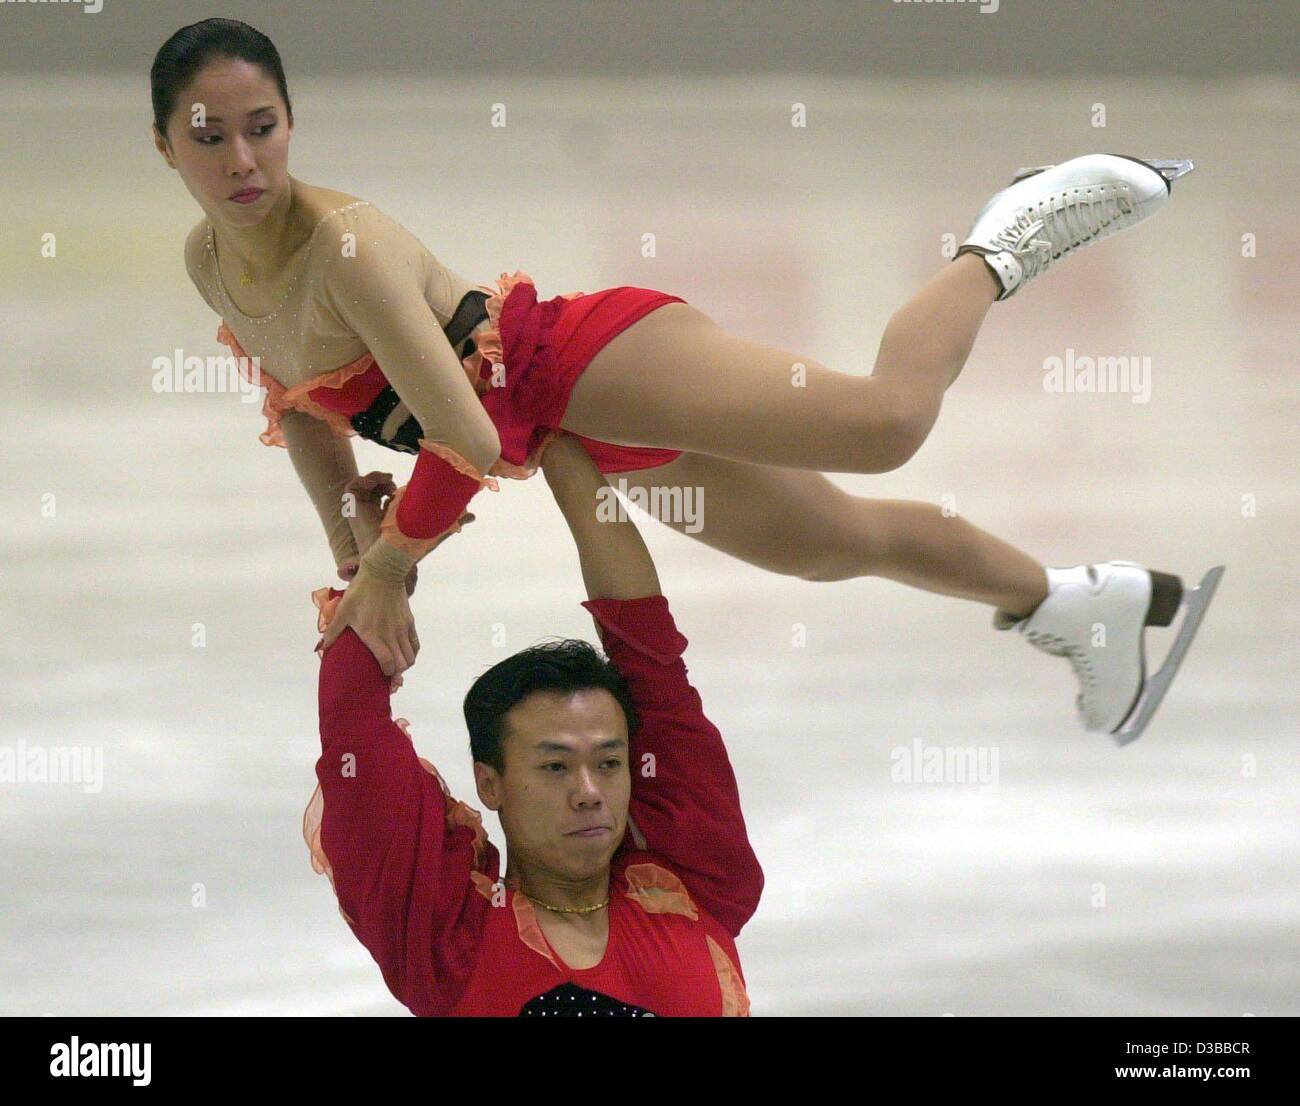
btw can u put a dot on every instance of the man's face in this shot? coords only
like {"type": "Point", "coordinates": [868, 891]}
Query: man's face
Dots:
{"type": "Point", "coordinates": [566, 771]}
{"type": "Point", "coordinates": [243, 144]}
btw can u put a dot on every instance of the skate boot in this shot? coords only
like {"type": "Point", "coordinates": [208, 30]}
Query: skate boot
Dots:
{"type": "Point", "coordinates": [1052, 211]}
{"type": "Point", "coordinates": [1096, 616]}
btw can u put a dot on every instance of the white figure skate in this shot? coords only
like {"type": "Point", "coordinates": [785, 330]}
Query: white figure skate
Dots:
{"type": "Point", "coordinates": [1051, 211]}
{"type": "Point", "coordinates": [1096, 616]}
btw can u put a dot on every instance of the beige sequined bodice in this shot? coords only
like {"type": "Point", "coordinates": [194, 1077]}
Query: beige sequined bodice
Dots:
{"type": "Point", "coordinates": [362, 284]}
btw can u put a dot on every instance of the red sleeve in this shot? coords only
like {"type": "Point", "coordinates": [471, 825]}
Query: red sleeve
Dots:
{"type": "Point", "coordinates": [684, 796]}
{"type": "Point", "coordinates": [435, 497]}
{"type": "Point", "coordinates": [401, 861]}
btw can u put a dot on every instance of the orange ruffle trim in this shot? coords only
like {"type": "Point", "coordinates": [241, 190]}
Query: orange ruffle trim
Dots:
{"type": "Point", "coordinates": [658, 891]}
{"type": "Point", "coordinates": [280, 399]}
{"type": "Point", "coordinates": [530, 929]}
{"type": "Point", "coordinates": [488, 352]}
{"type": "Point", "coordinates": [456, 461]}
{"type": "Point", "coordinates": [489, 342]}
{"type": "Point", "coordinates": [735, 1000]}
{"type": "Point", "coordinates": [458, 814]}
{"type": "Point", "coordinates": [415, 548]}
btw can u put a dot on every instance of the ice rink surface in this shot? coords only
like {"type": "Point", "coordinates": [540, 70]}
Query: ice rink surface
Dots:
{"type": "Point", "coordinates": [1163, 878]}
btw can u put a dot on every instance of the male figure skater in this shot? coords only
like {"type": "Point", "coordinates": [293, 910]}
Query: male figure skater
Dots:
{"type": "Point", "coordinates": [629, 872]}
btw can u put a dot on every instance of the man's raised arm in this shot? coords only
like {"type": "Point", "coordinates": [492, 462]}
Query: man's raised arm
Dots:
{"type": "Point", "coordinates": [401, 857]}
{"type": "Point", "coordinates": [615, 562]}
{"type": "Point", "coordinates": [685, 803]}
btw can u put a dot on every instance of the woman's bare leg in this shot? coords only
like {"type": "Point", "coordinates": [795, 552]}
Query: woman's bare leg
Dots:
{"type": "Point", "coordinates": [676, 380]}
{"type": "Point", "coordinates": [798, 523]}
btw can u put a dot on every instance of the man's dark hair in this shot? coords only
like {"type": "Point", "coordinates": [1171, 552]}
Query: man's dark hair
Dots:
{"type": "Point", "coordinates": [564, 665]}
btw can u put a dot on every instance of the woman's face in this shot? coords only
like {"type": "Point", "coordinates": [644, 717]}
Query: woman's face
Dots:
{"type": "Point", "coordinates": [241, 145]}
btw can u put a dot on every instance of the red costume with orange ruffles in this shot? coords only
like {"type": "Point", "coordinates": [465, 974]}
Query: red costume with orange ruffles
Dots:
{"type": "Point", "coordinates": [418, 881]}
{"type": "Point", "coordinates": [537, 349]}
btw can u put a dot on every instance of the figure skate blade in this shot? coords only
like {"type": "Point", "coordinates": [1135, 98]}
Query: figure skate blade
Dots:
{"type": "Point", "coordinates": [1195, 602]}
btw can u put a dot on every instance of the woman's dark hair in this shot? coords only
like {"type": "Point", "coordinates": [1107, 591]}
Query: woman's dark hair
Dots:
{"type": "Point", "coordinates": [181, 57]}
{"type": "Point", "coordinates": [568, 665]}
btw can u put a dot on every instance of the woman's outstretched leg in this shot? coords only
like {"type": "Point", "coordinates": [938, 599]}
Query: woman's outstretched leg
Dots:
{"type": "Point", "coordinates": [799, 523]}
{"type": "Point", "coordinates": [677, 380]}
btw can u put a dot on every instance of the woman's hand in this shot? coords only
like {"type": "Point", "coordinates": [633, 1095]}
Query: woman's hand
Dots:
{"type": "Point", "coordinates": [380, 615]}
{"type": "Point", "coordinates": [371, 495]}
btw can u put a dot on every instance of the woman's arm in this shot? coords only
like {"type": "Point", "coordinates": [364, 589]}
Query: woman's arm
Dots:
{"type": "Point", "coordinates": [322, 459]}
{"type": "Point", "coordinates": [325, 463]}
{"type": "Point", "coordinates": [374, 284]}
{"type": "Point", "coordinates": [377, 290]}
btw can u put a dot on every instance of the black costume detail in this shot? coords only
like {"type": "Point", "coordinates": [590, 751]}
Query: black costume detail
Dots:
{"type": "Point", "coordinates": [568, 1000]}
{"type": "Point", "coordinates": [469, 313]}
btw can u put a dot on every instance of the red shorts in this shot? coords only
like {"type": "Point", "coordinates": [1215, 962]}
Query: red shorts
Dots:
{"type": "Point", "coordinates": [548, 344]}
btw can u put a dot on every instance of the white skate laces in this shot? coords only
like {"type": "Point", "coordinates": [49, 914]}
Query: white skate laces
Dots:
{"type": "Point", "coordinates": [1083, 671]}
{"type": "Point", "coordinates": [1096, 617]}
{"type": "Point", "coordinates": [1050, 212]}
{"type": "Point", "coordinates": [1035, 241]}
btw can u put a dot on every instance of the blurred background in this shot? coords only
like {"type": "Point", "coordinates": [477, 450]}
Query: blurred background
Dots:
{"type": "Point", "coordinates": [1083, 880]}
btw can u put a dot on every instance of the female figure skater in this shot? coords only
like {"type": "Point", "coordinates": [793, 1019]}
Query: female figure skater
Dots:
{"type": "Point", "coordinates": [359, 329]}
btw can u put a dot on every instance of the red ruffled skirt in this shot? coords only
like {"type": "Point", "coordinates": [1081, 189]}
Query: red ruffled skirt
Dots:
{"type": "Point", "coordinates": [545, 346]}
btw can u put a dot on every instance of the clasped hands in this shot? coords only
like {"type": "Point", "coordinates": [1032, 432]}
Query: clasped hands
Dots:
{"type": "Point", "coordinates": [378, 610]}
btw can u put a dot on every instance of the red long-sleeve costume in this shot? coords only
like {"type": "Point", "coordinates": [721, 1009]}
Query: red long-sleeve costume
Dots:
{"type": "Point", "coordinates": [417, 879]}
